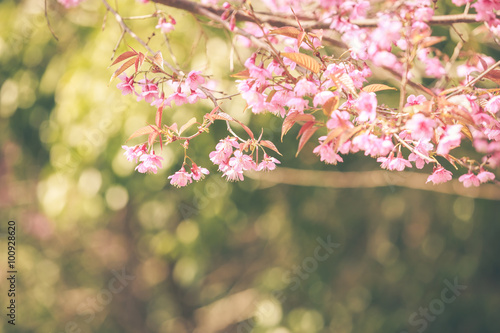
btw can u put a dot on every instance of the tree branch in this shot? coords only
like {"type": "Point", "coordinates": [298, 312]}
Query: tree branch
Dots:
{"type": "Point", "coordinates": [280, 21]}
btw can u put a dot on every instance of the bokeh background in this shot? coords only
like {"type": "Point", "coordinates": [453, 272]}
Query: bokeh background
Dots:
{"type": "Point", "coordinates": [102, 248]}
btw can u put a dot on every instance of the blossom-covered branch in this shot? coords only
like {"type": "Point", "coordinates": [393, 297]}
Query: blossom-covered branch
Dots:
{"type": "Point", "coordinates": [334, 99]}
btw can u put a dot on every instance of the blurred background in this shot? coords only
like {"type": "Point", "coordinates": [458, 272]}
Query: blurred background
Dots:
{"type": "Point", "coordinates": [101, 248]}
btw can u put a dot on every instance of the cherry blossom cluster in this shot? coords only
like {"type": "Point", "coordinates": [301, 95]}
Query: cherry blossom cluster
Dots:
{"type": "Point", "coordinates": [230, 156]}
{"type": "Point", "coordinates": [334, 99]}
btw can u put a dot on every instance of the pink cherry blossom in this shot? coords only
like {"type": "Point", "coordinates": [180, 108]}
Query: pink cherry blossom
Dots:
{"type": "Point", "coordinates": [150, 163]}
{"type": "Point", "coordinates": [399, 163]}
{"type": "Point", "coordinates": [366, 106]}
{"type": "Point", "coordinates": [305, 87]}
{"type": "Point", "coordinates": [449, 140]}
{"type": "Point", "coordinates": [291, 65]}
{"type": "Point", "coordinates": [233, 174]}
{"type": "Point", "coordinates": [268, 163]}
{"type": "Point", "coordinates": [198, 173]}
{"type": "Point", "coordinates": [485, 176]}
{"type": "Point", "coordinates": [165, 26]}
{"type": "Point", "coordinates": [469, 179]}
{"type": "Point", "coordinates": [149, 91]}
{"type": "Point", "coordinates": [439, 175]}
{"type": "Point", "coordinates": [133, 153]}
{"type": "Point", "coordinates": [388, 32]}
{"type": "Point", "coordinates": [434, 68]}
{"type": "Point", "coordinates": [178, 98]}
{"type": "Point", "coordinates": [493, 105]}
{"type": "Point", "coordinates": [326, 153]}
{"type": "Point", "coordinates": [460, 2]}
{"type": "Point", "coordinates": [415, 100]}
{"type": "Point", "coordinates": [322, 97]}
{"type": "Point", "coordinates": [420, 127]}
{"type": "Point", "coordinates": [339, 118]}
{"type": "Point", "coordinates": [181, 178]}
{"type": "Point", "coordinates": [127, 84]}
{"type": "Point", "coordinates": [223, 150]}
{"type": "Point", "coordinates": [70, 3]}
{"type": "Point", "coordinates": [241, 161]}
{"type": "Point", "coordinates": [423, 148]}
{"type": "Point", "coordinates": [194, 79]}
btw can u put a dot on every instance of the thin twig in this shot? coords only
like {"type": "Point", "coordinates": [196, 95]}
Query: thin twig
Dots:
{"type": "Point", "coordinates": [118, 44]}
{"type": "Point", "coordinates": [413, 150]}
{"type": "Point", "coordinates": [48, 22]}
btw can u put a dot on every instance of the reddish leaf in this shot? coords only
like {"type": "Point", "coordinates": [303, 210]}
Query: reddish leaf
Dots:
{"type": "Point", "coordinates": [270, 145]}
{"type": "Point", "coordinates": [303, 60]}
{"type": "Point", "coordinates": [466, 131]}
{"type": "Point", "coordinates": [123, 56]}
{"type": "Point", "coordinates": [330, 105]}
{"type": "Point", "coordinates": [494, 76]}
{"type": "Point", "coordinates": [142, 131]}
{"type": "Point", "coordinates": [159, 113]}
{"type": "Point", "coordinates": [152, 137]}
{"type": "Point", "coordinates": [139, 61]}
{"type": "Point", "coordinates": [190, 123]}
{"type": "Point", "coordinates": [158, 59]}
{"type": "Point", "coordinates": [291, 32]}
{"type": "Point", "coordinates": [244, 74]}
{"type": "Point", "coordinates": [346, 135]}
{"type": "Point", "coordinates": [333, 134]}
{"type": "Point", "coordinates": [247, 129]}
{"type": "Point", "coordinates": [122, 68]}
{"type": "Point", "coordinates": [292, 118]}
{"type": "Point", "coordinates": [376, 87]}
{"type": "Point", "coordinates": [270, 96]}
{"type": "Point", "coordinates": [300, 37]}
{"type": "Point", "coordinates": [309, 130]}
{"type": "Point", "coordinates": [221, 116]}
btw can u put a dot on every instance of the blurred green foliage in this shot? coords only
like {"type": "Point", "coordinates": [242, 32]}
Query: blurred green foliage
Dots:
{"type": "Point", "coordinates": [215, 256]}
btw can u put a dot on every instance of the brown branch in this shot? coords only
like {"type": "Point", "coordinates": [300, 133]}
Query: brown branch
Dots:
{"type": "Point", "coordinates": [280, 21]}
{"type": "Point", "coordinates": [371, 179]}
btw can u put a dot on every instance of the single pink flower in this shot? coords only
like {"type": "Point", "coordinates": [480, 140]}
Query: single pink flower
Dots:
{"type": "Point", "coordinates": [327, 154]}
{"type": "Point", "coordinates": [241, 161]}
{"type": "Point", "coordinates": [493, 105]}
{"type": "Point", "coordinates": [450, 139]}
{"type": "Point", "coordinates": [415, 100]}
{"type": "Point", "coordinates": [133, 153]}
{"type": "Point", "coordinates": [198, 173]}
{"type": "Point", "coordinates": [485, 176]}
{"type": "Point", "coordinates": [150, 163]}
{"type": "Point", "coordinates": [366, 106]}
{"type": "Point", "coordinates": [194, 79]}
{"type": "Point", "coordinates": [420, 127]}
{"type": "Point", "coordinates": [180, 178]}
{"type": "Point", "coordinates": [127, 84]}
{"type": "Point", "coordinates": [391, 163]}
{"type": "Point", "coordinates": [178, 98]}
{"type": "Point", "coordinates": [339, 119]}
{"type": "Point", "coordinates": [70, 3]}
{"type": "Point", "coordinates": [223, 150]}
{"type": "Point", "coordinates": [439, 175]}
{"type": "Point", "coordinates": [423, 148]}
{"type": "Point", "coordinates": [305, 87]}
{"type": "Point", "coordinates": [268, 163]}
{"type": "Point", "coordinates": [149, 91]}
{"type": "Point", "coordinates": [233, 174]}
{"type": "Point", "coordinates": [322, 97]}
{"type": "Point", "coordinates": [469, 179]}
{"type": "Point", "coordinates": [165, 26]}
